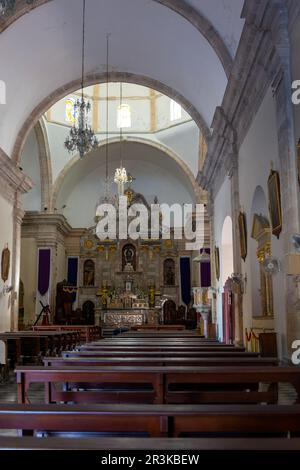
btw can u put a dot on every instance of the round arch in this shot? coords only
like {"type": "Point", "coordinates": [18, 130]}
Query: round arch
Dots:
{"type": "Point", "coordinates": [194, 17]}
{"type": "Point", "coordinates": [93, 79]}
{"type": "Point", "coordinates": [115, 140]}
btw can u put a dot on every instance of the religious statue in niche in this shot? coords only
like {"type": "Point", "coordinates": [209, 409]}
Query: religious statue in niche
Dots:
{"type": "Point", "coordinates": [169, 272]}
{"type": "Point", "coordinates": [5, 263]}
{"type": "Point", "coordinates": [129, 258]}
{"type": "Point", "coordinates": [89, 273]}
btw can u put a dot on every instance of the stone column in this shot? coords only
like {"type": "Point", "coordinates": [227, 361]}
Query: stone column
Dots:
{"type": "Point", "coordinates": [235, 209]}
{"type": "Point", "coordinates": [288, 169]}
{"type": "Point", "coordinates": [18, 215]}
{"type": "Point", "coordinates": [205, 316]}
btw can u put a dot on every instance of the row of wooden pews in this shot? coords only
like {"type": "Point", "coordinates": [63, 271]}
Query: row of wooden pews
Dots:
{"type": "Point", "coordinates": [31, 346]}
{"type": "Point", "coordinates": [168, 386]}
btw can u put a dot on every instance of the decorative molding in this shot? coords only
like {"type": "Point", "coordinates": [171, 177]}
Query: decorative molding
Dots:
{"type": "Point", "coordinates": [47, 229]}
{"type": "Point", "coordinates": [12, 179]}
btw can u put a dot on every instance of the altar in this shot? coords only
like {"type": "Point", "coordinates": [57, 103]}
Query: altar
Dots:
{"type": "Point", "coordinates": [122, 281]}
{"type": "Point", "coordinates": [127, 317]}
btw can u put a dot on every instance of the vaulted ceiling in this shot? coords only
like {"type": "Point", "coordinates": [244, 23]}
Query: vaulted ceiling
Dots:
{"type": "Point", "coordinates": [184, 47]}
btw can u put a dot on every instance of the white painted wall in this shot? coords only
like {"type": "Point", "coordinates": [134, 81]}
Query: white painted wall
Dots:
{"type": "Point", "coordinates": [6, 237]}
{"type": "Point", "coordinates": [184, 140]}
{"type": "Point", "coordinates": [257, 151]}
{"type": "Point", "coordinates": [222, 209]}
{"type": "Point", "coordinates": [31, 166]}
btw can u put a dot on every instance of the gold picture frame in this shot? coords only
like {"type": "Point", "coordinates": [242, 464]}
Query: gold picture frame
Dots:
{"type": "Point", "coordinates": [275, 202]}
{"type": "Point", "coordinates": [217, 262]}
{"type": "Point", "coordinates": [5, 264]}
{"type": "Point", "coordinates": [243, 234]}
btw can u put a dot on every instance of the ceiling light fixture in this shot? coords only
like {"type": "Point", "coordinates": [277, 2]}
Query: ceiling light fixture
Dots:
{"type": "Point", "coordinates": [82, 137]}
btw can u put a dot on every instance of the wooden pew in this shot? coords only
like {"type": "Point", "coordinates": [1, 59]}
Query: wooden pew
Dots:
{"type": "Point", "coordinates": [209, 446]}
{"type": "Point", "coordinates": [159, 347]}
{"type": "Point", "coordinates": [155, 420]}
{"type": "Point", "coordinates": [157, 353]}
{"type": "Point", "coordinates": [173, 384]}
{"type": "Point", "coordinates": [29, 345]}
{"type": "Point", "coordinates": [158, 361]}
{"type": "Point", "coordinates": [158, 327]}
{"type": "Point", "coordinates": [87, 333]}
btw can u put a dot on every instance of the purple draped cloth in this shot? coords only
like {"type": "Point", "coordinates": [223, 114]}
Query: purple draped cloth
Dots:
{"type": "Point", "coordinates": [44, 270]}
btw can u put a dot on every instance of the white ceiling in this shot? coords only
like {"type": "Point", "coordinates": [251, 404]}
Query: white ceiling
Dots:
{"type": "Point", "coordinates": [155, 172]}
{"type": "Point", "coordinates": [225, 15]}
{"type": "Point", "coordinates": [40, 52]}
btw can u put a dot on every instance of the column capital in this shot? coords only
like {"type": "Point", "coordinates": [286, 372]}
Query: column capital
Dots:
{"type": "Point", "coordinates": [12, 179]}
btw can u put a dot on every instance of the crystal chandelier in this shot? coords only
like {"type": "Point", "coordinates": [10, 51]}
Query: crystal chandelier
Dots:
{"type": "Point", "coordinates": [82, 137]}
{"type": "Point", "coordinates": [120, 177]}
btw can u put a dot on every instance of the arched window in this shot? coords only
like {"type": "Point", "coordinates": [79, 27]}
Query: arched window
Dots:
{"type": "Point", "coordinates": [169, 272]}
{"type": "Point", "coordinates": [71, 111]}
{"type": "Point", "coordinates": [89, 273]}
{"type": "Point", "coordinates": [175, 111]}
{"type": "Point", "coordinates": [124, 116]}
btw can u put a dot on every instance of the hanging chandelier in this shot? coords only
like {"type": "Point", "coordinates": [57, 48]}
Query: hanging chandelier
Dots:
{"type": "Point", "coordinates": [8, 6]}
{"type": "Point", "coordinates": [121, 177]}
{"type": "Point", "coordinates": [81, 138]}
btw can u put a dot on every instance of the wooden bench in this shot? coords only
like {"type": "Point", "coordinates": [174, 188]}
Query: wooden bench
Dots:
{"type": "Point", "coordinates": [158, 327]}
{"type": "Point", "coordinates": [155, 420]}
{"type": "Point", "coordinates": [157, 353]}
{"type": "Point", "coordinates": [158, 361]}
{"type": "Point", "coordinates": [160, 348]}
{"type": "Point", "coordinates": [172, 384]}
{"type": "Point", "coordinates": [31, 346]}
{"type": "Point", "coordinates": [87, 333]}
{"type": "Point", "coordinates": [208, 448]}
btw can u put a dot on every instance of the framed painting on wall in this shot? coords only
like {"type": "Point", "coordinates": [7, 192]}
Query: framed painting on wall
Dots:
{"type": "Point", "coordinates": [5, 263]}
{"type": "Point", "coordinates": [243, 234]}
{"type": "Point", "coordinates": [275, 202]}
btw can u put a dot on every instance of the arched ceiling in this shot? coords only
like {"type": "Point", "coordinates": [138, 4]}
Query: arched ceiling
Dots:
{"type": "Point", "coordinates": [157, 174]}
{"type": "Point", "coordinates": [225, 15]}
{"type": "Point", "coordinates": [148, 39]}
